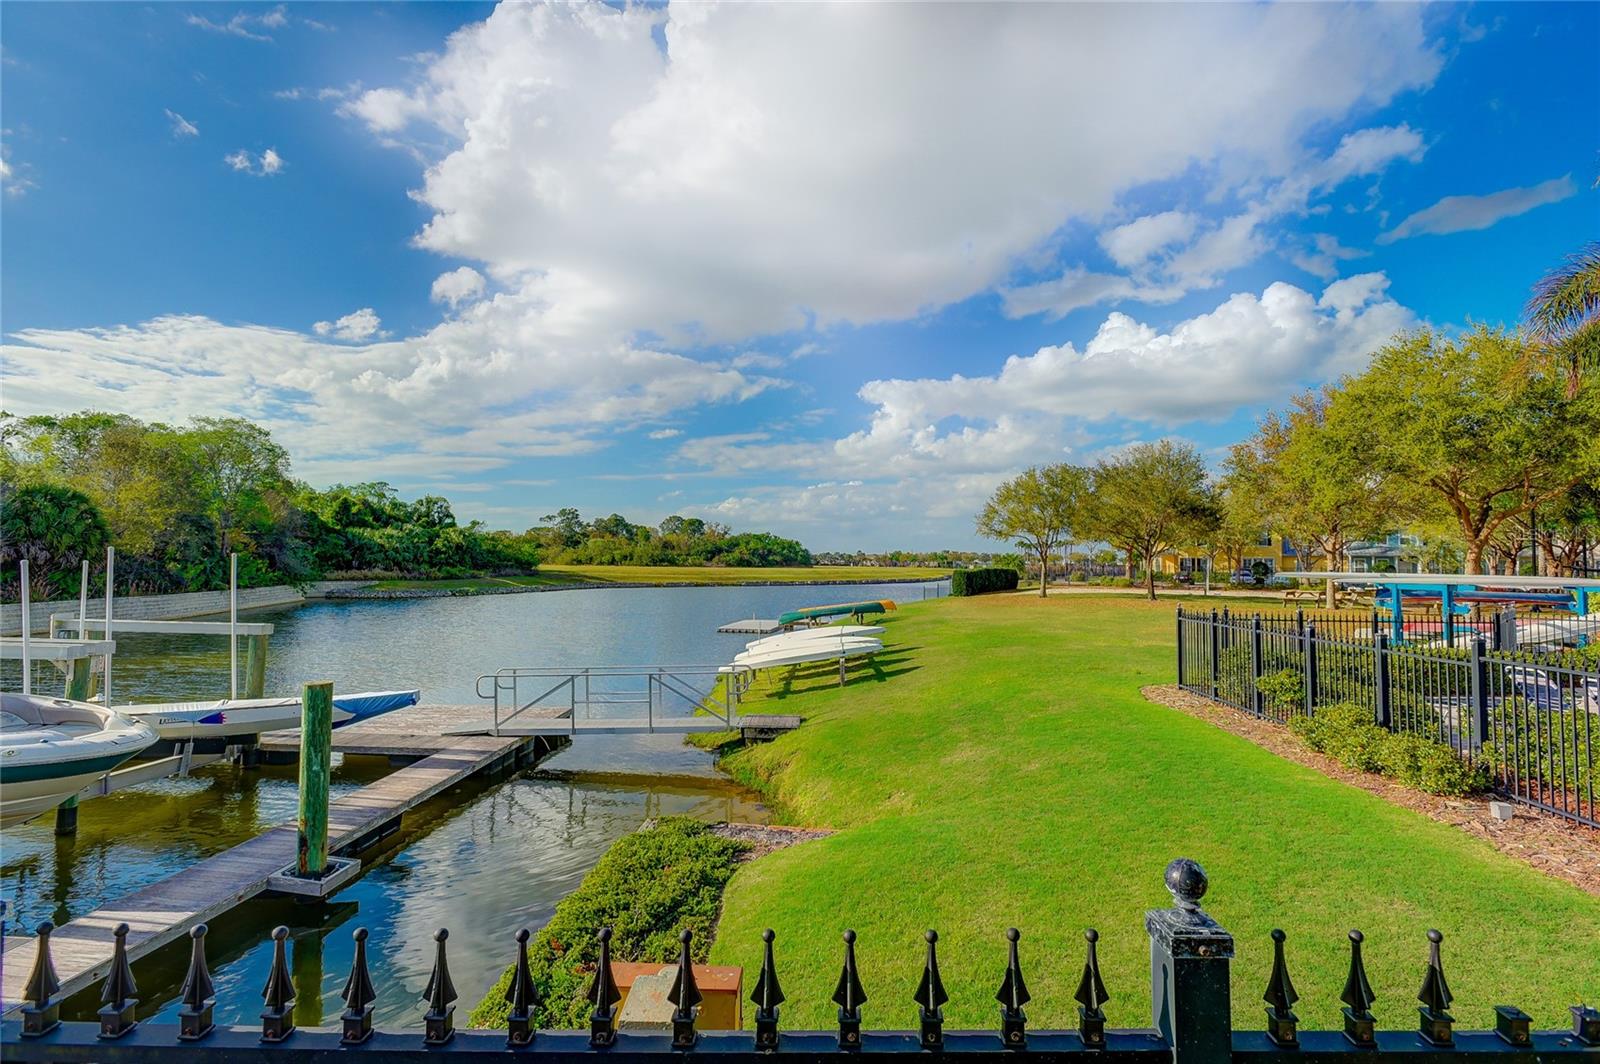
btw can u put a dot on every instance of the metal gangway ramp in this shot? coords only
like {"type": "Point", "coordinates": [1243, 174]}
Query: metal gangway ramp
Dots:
{"type": "Point", "coordinates": [616, 700]}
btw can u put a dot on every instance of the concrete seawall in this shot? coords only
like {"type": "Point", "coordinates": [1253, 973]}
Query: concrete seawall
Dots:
{"type": "Point", "coordinates": [172, 607]}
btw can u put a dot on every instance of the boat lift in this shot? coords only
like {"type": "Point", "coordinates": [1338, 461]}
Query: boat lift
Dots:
{"type": "Point", "coordinates": [76, 657]}
{"type": "Point", "coordinates": [1458, 592]}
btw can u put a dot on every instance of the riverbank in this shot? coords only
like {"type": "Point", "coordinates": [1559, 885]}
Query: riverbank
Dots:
{"type": "Point", "coordinates": [579, 577]}
{"type": "Point", "coordinates": [1007, 771]}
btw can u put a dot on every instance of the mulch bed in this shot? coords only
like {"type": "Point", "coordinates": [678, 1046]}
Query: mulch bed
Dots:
{"type": "Point", "coordinates": [764, 838]}
{"type": "Point", "coordinates": [1551, 844]}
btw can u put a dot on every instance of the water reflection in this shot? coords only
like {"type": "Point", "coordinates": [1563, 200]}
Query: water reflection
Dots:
{"type": "Point", "coordinates": [483, 868]}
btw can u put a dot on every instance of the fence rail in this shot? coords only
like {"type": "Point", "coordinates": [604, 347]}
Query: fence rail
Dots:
{"type": "Point", "coordinates": [1190, 1008]}
{"type": "Point", "coordinates": [1532, 718]}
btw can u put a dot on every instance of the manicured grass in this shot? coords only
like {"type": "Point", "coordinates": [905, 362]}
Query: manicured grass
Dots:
{"type": "Point", "coordinates": [680, 574]}
{"type": "Point", "coordinates": [999, 768]}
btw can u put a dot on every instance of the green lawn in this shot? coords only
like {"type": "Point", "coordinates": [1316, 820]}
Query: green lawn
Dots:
{"type": "Point", "coordinates": [1001, 768]}
{"type": "Point", "coordinates": [679, 574]}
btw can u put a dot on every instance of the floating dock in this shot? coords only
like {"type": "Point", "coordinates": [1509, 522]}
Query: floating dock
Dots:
{"type": "Point", "coordinates": [410, 733]}
{"type": "Point", "coordinates": [167, 910]}
{"type": "Point", "coordinates": [750, 626]}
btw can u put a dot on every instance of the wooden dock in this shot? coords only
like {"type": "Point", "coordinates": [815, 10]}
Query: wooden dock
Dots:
{"type": "Point", "coordinates": [167, 910]}
{"type": "Point", "coordinates": [412, 732]}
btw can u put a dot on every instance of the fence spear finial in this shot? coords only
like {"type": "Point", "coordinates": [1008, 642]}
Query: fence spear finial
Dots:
{"type": "Point", "coordinates": [358, 995]}
{"type": "Point", "coordinates": [438, 1023]}
{"type": "Point", "coordinates": [277, 1018]}
{"type": "Point", "coordinates": [1013, 994]}
{"type": "Point", "coordinates": [1435, 1019]}
{"type": "Point", "coordinates": [768, 996]}
{"type": "Point", "coordinates": [849, 996]}
{"type": "Point", "coordinates": [1280, 997]}
{"type": "Point", "coordinates": [931, 996]}
{"type": "Point", "coordinates": [1358, 998]}
{"type": "Point", "coordinates": [603, 996]}
{"type": "Point", "coordinates": [119, 995]}
{"type": "Point", "coordinates": [520, 996]}
{"type": "Point", "coordinates": [199, 994]}
{"type": "Point", "coordinates": [685, 994]}
{"type": "Point", "coordinates": [41, 1015]}
{"type": "Point", "coordinates": [1092, 996]}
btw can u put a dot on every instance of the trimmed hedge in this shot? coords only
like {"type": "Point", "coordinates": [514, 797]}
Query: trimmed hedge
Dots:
{"type": "Point", "coordinates": [1346, 732]}
{"type": "Point", "coordinates": [981, 581]}
{"type": "Point", "coordinates": [648, 887]}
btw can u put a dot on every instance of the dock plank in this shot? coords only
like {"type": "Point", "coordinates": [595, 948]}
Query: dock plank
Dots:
{"type": "Point", "coordinates": [166, 910]}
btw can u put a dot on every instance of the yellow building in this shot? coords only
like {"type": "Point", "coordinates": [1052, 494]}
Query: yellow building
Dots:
{"type": "Point", "coordinates": [1277, 553]}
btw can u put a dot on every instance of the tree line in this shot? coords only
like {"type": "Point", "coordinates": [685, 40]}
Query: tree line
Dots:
{"type": "Point", "coordinates": [1480, 445]}
{"type": "Point", "coordinates": [566, 538]}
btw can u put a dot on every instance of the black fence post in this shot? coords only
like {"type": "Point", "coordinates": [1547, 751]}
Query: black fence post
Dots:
{"type": "Point", "coordinates": [1255, 664]}
{"type": "Point", "coordinates": [1311, 669]}
{"type": "Point", "coordinates": [1480, 693]}
{"type": "Point", "coordinates": [1383, 706]}
{"type": "Point", "coordinates": [1216, 652]}
{"type": "Point", "coordinates": [1183, 679]}
{"type": "Point", "coordinates": [1189, 954]}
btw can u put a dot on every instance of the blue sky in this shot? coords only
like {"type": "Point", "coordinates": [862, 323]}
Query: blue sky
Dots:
{"type": "Point", "coordinates": [829, 271]}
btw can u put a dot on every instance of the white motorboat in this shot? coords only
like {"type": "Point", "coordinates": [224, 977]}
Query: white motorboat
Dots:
{"type": "Point", "coordinates": [52, 748]}
{"type": "Point", "coordinates": [833, 631]}
{"type": "Point", "coordinates": [229, 717]}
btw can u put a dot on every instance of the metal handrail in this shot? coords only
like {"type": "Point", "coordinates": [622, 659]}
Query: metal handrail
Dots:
{"type": "Point", "coordinates": [675, 679]}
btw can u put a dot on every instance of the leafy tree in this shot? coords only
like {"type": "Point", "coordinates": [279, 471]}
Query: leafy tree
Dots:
{"type": "Point", "coordinates": [1149, 500]}
{"type": "Point", "coordinates": [55, 528]}
{"type": "Point", "coordinates": [1461, 431]}
{"type": "Point", "coordinates": [1563, 316]}
{"type": "Point", "coordinates": [566, 526]}
{"type": "Point", "coordinates": [238, 465]}
{"type": "Point", "coordinates": [1312, 475]}
{"type": "Point", "coordinates": [1037, 511]}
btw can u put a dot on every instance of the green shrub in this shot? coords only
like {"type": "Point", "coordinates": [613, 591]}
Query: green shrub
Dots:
{"type": "Point", "coordinates": [981, 581]}
{"type": "Point", "coordinates": [1346, 732]}
{"type": "Point", "coordinates": [1283, 691]}
{"type": "Point", "coordinates": [647, 888]}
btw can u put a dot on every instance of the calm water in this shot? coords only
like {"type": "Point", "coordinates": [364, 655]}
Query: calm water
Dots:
{"type": "Point", "coordinates": [483, 859]}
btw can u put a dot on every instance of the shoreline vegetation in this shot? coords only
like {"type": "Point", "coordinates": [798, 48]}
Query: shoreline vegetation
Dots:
{"type": "Point", "coordinates": [1006, 770]}
{"type": "Point", "coordinates": [578, 577]}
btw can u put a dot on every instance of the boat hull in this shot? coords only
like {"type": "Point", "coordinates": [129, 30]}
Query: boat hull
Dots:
{"type": "Point", "coordinates": [52, 748]}
{"type": "Point", "coordinates": [239, 718]}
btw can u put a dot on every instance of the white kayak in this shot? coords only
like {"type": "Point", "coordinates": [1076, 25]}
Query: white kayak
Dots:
{"type": "Point", "coordinates": [805, 652]}
{"type": "Point", "coordinates": [227, 717]}
{"type": "Point", "coordinates": [52, 748]}
{"type": "Point", "coordinates": [803, 635]}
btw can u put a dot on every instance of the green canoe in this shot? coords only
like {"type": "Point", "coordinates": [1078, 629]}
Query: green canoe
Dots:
{"type": "Point", "coordinates": [858, 609]}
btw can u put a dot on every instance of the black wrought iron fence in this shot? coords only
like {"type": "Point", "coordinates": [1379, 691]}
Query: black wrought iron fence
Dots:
{"type": "Point", "coordinates": [1531, 718]}
{"type": "Point", "coordinates": [1190, 1008]}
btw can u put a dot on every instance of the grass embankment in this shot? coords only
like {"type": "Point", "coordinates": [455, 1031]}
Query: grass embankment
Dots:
{"type": "Point", "coordinates": [556, 575]}
{"type": "Point", "coordinates": [1001, 769]}
{"type": "Point", "coordinates": [647, 888]}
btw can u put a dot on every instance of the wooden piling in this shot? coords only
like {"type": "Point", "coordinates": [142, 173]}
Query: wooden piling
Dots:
{"type": "Point", "coordinates": [80, 678]}
{"type": "Point", "coordinates": [255, 667]}
{"type": "Point", "coordinates": [316, 767]}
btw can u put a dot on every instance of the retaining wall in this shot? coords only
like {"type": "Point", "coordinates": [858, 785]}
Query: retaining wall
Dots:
{"type": "Point", "coordinates": [172, 607]}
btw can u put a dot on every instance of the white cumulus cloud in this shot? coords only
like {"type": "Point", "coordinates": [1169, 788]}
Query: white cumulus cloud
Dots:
{"type": "Point", "coordinates": [777, 166]}
{"type": "Point", "coordinates": [461, 285]}
{"type": "Point", "coordinates": [266, 164]}
{"type": "Point", "coordinates": [357, 325]}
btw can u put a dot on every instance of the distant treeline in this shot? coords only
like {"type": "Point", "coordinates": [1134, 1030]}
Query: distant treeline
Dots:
{"type": "Point", "coordinates": [177, 500]}
{"type": "Point", "coordinates": [566, 539]}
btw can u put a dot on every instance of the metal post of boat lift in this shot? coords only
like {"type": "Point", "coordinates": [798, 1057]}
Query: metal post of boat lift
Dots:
{"type": "Point", "coordinates": [27, 665]}
{"type": "Point", "coordinates": [105, 678]}
{"type": "Point", "coordinates": [233, 625]}
{"type": "Point", "coordinates": [80, 671]}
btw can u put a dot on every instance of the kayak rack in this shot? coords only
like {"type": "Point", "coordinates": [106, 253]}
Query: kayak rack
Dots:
{"type": "Point", "coordinates": [673, 698]}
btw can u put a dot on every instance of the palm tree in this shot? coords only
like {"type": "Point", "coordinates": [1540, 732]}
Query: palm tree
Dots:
{"type": "Point", "coordinates": [1564, 314]}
